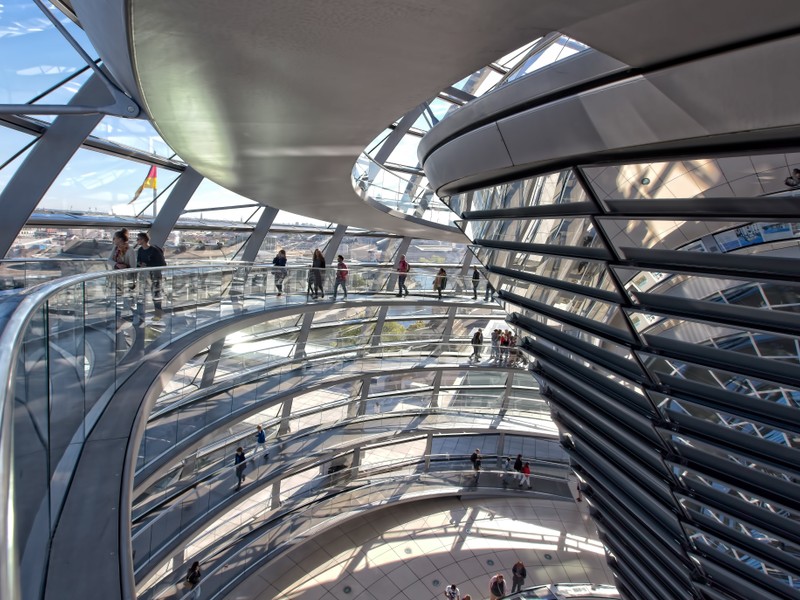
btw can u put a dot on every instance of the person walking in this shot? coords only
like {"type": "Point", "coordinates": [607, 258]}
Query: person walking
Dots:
{"type": "Point", "coordinates": [451, 592]}
{"type": "Point", "coordinates": [506, 464]}
{"type": "Point", "coordinates": [475, 459]}
{"type": "Point", "coordinates": [261, 442]}
{"type": "Point", "coordinates": [505, 341]}
{"type": "Point", "coordinates": [318, 269]}
{"type": "Point", "coordinates": [518, 467]}
{"type": "Point", "coordinates": [440, 281]}
{"type": "Point", "coordinates": [279, 271]}
{"type": "Point", "coordinates": [489, 291]}
{"type": "Point", "coordinates": [402, 269]}
{"type": "Point", "coordinates": [497, 587]}
{"type": "Point", "coordinates": [476, 278]}
{"type": "Point", "coordinates": [496, 345]}
{"type": "Point", "coordinates": [192, 579]}
{"type": "Point", "coordinates": [477, 346]}
{"type": "Point", "coordinates": [518, 575]}
{"type": "Point", "coordinates": [148, 256]}
{"type": "Point", "coordinates": [526, 476]}
{"type": "Point", "coordinates": [240, 461]}
{"type": "Point", "coordinates": [341, 277]}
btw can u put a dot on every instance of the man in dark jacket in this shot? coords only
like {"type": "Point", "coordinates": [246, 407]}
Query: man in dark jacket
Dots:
{"type": "Point", "coordinates": [239, 460]}
{"type": "Point", "coordinates": [518, 467]}
{"type": "Point", "coordinates": [151, 256]}
{"type": "Point", "coordinates": [518, 575]}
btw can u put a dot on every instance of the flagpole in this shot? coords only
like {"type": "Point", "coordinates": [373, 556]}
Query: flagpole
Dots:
{"type": "Point", "coordinates": [155, 201]}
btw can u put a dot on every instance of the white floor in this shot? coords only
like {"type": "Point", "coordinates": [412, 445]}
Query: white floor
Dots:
{"type": "Point", "coordinates": [412, 551]}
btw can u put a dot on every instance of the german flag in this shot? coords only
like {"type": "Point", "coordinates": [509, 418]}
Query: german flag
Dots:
{"type": "Point", "coordinates": [149, 182]}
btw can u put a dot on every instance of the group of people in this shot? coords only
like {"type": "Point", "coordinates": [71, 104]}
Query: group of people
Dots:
{"type": "Point", "coordinates": [522, 469]}
{"type": "Point", "coordinates": [316, 274]}
{"type": "Point", "coordinates": [318, 265]}
{"type": "Point", "coordinates": [142, 255]}
{"type": "Point", "coordinates": [504, 349]}
{"type": "Point", "coordinates": [497, 584]}
{"type": "Point", "coordinates": [240, 458]}
{"type": "Point", "coordinates": [522, 472]}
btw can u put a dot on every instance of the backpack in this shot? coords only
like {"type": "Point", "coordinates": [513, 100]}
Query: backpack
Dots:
{"type": "Point", "coordinates": [159, 256]}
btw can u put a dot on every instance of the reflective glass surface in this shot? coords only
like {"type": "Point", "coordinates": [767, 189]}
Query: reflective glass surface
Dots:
{"type": "Point", "coordinates": [555, 188]}
{"type": "Point", "coordinates": [722, 177]}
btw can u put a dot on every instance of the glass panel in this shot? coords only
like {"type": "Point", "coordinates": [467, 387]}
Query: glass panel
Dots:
{"type": "Point", "coordinates": [132, 133]}
{"type": "Point", "coordinates": [34, 55]}
{"type": "Point", "coordinates": [479, 82]}
{"type": "Point", "coordinates": [75, 250]}
{"type": "Point", "coordinates": [705, 541]}
{"type": "Point", "coordinates": [592, 274]}
{"type": "Point", "coordinates": [578, 333]}
{"type": "Point", "coordinates": [11, 142]}
{"type": "Point", "coordinates": [575, 304]}
{"type": "Point", "coordinates": [765, 345]}
{"type": "Point", "coordinates": [212, 201]}
{"type": "Point", "coordinates": [733, 382]}
{"type": "Point", "coordinates": [561, 48]}
{"type": "Point", "coordinates": [559, 187]}
{"type": "Point", "coordinates": [8, 147]}
{"type": "Point", "coordinates": [368, 249]}
{"type": "Point", "coordinates": [728, 177]}
{"type": "Point", "coordinates": [691, 479]}
{"type": "Point", "coordinates": [63, 93]}
{"type": "Point", "coordinates": [299, 246]}
{"type": "Point", "coordinates": [405, 153]}
{"type": "Point", "coordinates": [700, 236]}
{"type": "Point", "coordinates": [320, 417]}
{"type": "Point", "coordinates": [728, 420]}
{"type": "Point", "coordinates": [461, 447]}
{"type": "Point", "coordinates": [346, 316]}
{"type": "Point", "coordinates": [372, 458]}
{"type": "Point", "coordinates": [741, 460]}
{"type": "Point", "coordinates": [99, 183]}
{"type": "Point", "coordinates": [436, 252]}
{"type": "Point", "coordinates": [560, 232]}
{"type": "Point", "coordinates": [398, 402]}
{"type": "Point", "coordinates": [400, 382]}
{"type": "Point", "coordinates": [400, 192]}
{"type": "Point", "coordinates": [198, 245]}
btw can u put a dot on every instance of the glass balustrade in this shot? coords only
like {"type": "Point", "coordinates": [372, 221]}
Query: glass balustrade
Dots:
{"type": "Point", "coordinates": [411, 197]}
{"type": "Point", "coordinates": [269, 396]}
{"type": "Point", "coordinates": [322, 427]}
{"type": "Point", "coordinates": [316, 497]}
{"type": "Point", "coordinates": [71, 344]}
